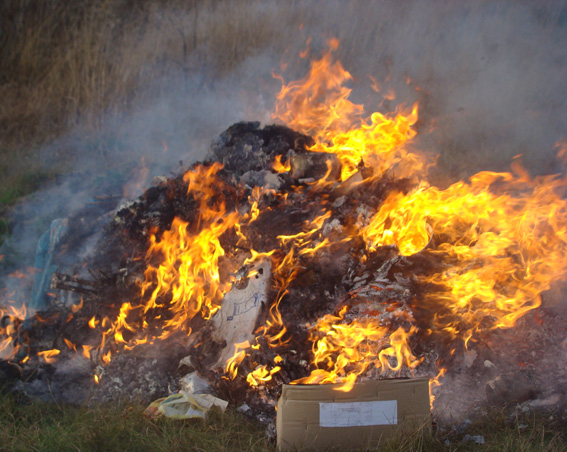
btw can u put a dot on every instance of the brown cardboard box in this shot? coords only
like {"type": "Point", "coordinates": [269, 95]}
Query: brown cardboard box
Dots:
{"type": "Point", "coordinates": [318, 417]}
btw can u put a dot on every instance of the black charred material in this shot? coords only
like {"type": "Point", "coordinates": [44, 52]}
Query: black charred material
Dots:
{"type": "Point", "coordinates": [10, 373]}
{"type": "Point", "coordinates": [379, 286]}
{"type": "Point", "coordinates": [245, 147]}
{"type": "Point", "coordinates": [72, 284]}
{"type": "Point", "coordinates": [314, 165]}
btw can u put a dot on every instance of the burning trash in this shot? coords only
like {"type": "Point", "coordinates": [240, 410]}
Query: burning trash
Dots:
{"type": "Point", "coordinates": [310, 253]}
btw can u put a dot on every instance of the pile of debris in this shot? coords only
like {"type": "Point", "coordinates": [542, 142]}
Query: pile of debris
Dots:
{"type": "Point", "coordinates": [113, 326]}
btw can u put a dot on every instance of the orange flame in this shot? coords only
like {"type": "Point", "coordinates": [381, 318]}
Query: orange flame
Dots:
{"type": "Point", "coordinates": [189, 270]}
{"type": "Point", "coordinates": [280, 167]}
{"type": "Point", "coordinates": [344, 350]}
{"type": "Point", "coordinates": [261, 374]}
{"type": "Point", "coordinates": [503, 235]}
{"type": "Point", "coordinates": [239, 355]}
{"type": "Point", "coordinates": [77, 307]}
{"type": "Point", "coordinates": [185, 280]}
{"type": "Point", "coordinates": [49, 356]}
{"type": "Point", "coordinates": [87, 351]}
{"type": "Point", "coordinates": [319, 105]}
{"type": "Point", "coordinates": [504, 239]}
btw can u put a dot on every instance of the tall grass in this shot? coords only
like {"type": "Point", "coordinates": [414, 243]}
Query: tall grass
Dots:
{"type": "Point", "coordinates": [80, 65]}
{"type": "Point", "coordinates": [67, 64]}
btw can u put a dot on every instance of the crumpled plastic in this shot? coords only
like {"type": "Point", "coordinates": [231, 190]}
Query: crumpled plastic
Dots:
{"type": "Point", "coordinates": [46, 247]}
{"type": "Point", "coordinates": [184, 406]}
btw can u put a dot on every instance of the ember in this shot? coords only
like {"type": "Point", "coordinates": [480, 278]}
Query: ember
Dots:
{"type": "Point", "coordinates": [319, 255]}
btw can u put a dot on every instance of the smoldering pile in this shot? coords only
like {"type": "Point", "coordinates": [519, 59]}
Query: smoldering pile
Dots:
{"type": "Point", "coordinates": [116, 330]}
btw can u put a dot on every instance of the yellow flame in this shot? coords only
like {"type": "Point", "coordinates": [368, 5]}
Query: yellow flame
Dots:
{"type": "Point", "coordinates": [344, 350]}
{"type": "Point", "coordinates": [261, 375]}
{"type": "Point", "coordinates": [232, 363]}
{"type": "Point", "coordinates": [501, 239]}
{"type": "Point", "coordinates": [504, 242]}
{"type": "Point", "coordinates": [93, 322]}
{"type": "Point", "coordinates": [280, 167]}
{"type": "Point", "coordinates": [49, 356]}
{"type": "Point", "coordinates": [319, 105]}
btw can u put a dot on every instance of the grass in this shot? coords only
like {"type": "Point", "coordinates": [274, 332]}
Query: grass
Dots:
{"type": "Point", "coordinates": [48, 427]}
{"type": "Point", "coordinates": [123, 427]}
{"type": "Point", "coordinates": [76, 67]}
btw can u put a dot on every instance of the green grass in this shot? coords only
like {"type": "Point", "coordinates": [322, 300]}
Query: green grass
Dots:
{"type": "Point", "coordinates": [22, 185]}
{"type": "Point", "coordinates": [48, 427]}
{"type": "Point", "coordinates": [123, 427]}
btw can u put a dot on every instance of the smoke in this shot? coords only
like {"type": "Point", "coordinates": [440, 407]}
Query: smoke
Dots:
{"type": "Point", "coordinates": [489, 77]}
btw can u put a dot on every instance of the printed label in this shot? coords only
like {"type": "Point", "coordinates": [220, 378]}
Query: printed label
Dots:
{"type": "Point", "coordinates": [358, 414]}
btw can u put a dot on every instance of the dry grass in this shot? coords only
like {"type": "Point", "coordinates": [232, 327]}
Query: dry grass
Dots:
{"type": "Point", "coordinates": [79, 66]}
{"type": "Point", "coordinates": [66, 65]}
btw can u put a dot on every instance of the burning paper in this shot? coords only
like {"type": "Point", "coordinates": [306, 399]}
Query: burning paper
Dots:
{"type": "Point", "coordinates": [356, 266]}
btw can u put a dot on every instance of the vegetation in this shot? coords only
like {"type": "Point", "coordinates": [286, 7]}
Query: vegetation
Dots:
{"type": "Point", "coordinates": [73, 68]}
{"type": "Point", "coordinates": [48, 427]}
{"type": "Point", "coordinates": [123, 427]}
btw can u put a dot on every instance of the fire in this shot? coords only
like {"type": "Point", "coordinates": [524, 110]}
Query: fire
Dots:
{"type": "Point", "coordinates": [87, 351]}
{"type": "Point", "coordinates": [502, 235]}
{"type": "Point", "coordinates": [13, 313]}
{"type": "Point", "coordinates": [280, 167]}
{"type": "Point", "coordinates": [49, 356]}
{"type": "Point", "coordinates": [239, 355]}
{"type": "Point", "coordinates": [189, 268]}
{"type": "Point", "coordinates": [319, 106]}
{"type": "Point", "coordinates": [182, 277]}
{"type": "Point", "coordinates": [76, 308]}
{"type": "Point", "coordinates": [343, 350]}
{"type": "Point", "coordinates": [261, 374]}
{"type": "Point", "coordinates": [496, 241]}
{"type": "Point", "coordinates": [504, 242]}
{"type": "Point", "coordinates": [70, 345]}
{"type": "Point", "coordinates": [93, 322]}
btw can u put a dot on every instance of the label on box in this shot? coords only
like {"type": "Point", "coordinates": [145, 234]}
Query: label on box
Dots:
{"type": "Point", "coordinates": [358, 414]}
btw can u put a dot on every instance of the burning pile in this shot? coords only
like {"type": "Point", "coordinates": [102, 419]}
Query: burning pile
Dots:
{"type": "Point", "coordinates": [312, 255]}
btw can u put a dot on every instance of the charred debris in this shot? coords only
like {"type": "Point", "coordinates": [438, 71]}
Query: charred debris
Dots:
{"type": "Point", "coordinates": [83, 288]}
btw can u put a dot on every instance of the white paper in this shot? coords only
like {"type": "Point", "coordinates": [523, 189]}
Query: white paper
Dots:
{"type": "Point", "coordinates": [234, 321]}
{"type": "Point", "coordinates": [358, 414]}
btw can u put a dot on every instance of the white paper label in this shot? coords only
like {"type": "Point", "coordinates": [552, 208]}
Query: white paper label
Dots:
{"type": "Point", "coordinates": [358, 414]}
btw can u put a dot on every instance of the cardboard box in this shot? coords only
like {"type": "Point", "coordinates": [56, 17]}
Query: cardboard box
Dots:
{"type": "Point", "coordinates": [318, 417]}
